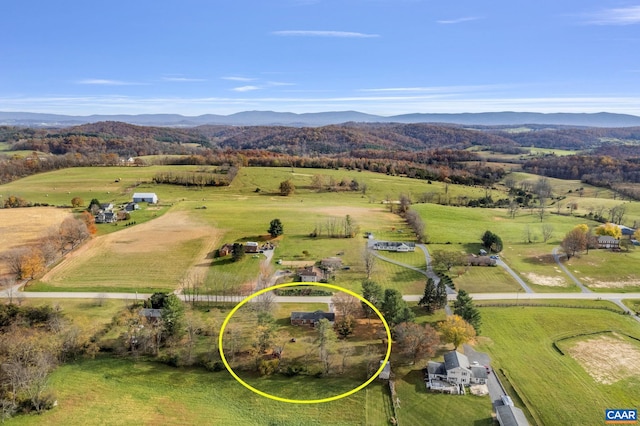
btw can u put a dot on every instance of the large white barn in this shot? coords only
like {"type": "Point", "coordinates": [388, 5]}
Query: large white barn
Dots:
{"type": "Point", "coordinates": [145, 197]}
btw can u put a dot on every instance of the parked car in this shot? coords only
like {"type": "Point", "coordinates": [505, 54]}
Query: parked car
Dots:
{"type": "Point", "coordinates": [506, 400]}
{"type": "Point", "coordinates": [494, 257]}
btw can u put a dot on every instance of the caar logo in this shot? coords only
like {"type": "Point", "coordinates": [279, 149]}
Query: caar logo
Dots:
{"type": "Point", "coordinates": [621, 416]}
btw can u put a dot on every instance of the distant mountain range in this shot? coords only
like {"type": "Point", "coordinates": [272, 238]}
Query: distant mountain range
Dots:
{"type": "Point", "coordinates": [270, 118]}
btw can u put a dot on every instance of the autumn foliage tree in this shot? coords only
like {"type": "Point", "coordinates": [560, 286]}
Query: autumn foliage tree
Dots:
{"type": "Point", "coordinates": [575, 241]}
{"type": "Point", "coordinates": [90, 221]}
{"type": "Point", "coordinates": [609, 229]}
{"type": "Point", "coordinates": [416, 341]}
{"type": "Point", "coordinates": [76, 202]}
{"type": "Point", "coordinates": [287, 187]}
{"type": "Point", "coordinates": [456, 330]}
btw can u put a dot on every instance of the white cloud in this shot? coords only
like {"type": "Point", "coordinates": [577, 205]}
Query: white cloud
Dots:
{"type": "Point", "coordinates": [182, 79]}
{"type": "Point", "coordinates": [458, 20]}
{"type": "Point", "coordinates": [340, 34]}
{"type": "Point", "coordinates": [105, 82]}
{"type": "Point", "coordinates": [245, 88]}
{"type": "Point", "coordinates": [617, 16]}
{"type": "Point", "coordinates": [279, 83]}
{"type": "Point", "coordinates": [437, 89]}
{"type": "Point", "coordinates": [234, 78]}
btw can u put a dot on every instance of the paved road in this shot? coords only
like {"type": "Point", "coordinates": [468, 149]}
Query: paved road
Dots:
{"type": "Point", "coordinates": [556, 257]}
{"type": "Point", "coordinates": [511, 272]}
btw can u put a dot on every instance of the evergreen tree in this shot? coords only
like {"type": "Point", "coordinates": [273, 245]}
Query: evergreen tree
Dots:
{"type": "Point", "coordinates": [492, 242]}
{"type": "Point", "coordinates": [441, 295]}
{"type": "Point", "coordinates": [238, 252]}
{"type": "Point", "coordinates": [276, 228]}
{"type": "Point", "coordinates": [374, 294]}
{"type": "Point", "coordinates": [173, 316]}
{"type": "Point", "coordinates": [395, 309]}
{"type": "Point", "coordinates": [429, 298]}
{"type": "Point", "coordinates": [464, 307]}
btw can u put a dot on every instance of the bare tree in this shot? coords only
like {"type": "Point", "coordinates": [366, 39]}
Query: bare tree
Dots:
{"type": "Point", "coordinates": [527, 235]}
{"type": "Point", "coordinates": [513, 208]}
{"type": "Point", "coordinates": [73, 232]}
{"type": "Point", "coordinates": [190, 287]}
{"type": "Point", "coordinates": [574, 242]}
{"type": "Point", "coordinates": [369, 262]}
{"type": "Point", "coordinates": [346, 305]}
{"type": "Point", "coordinates": [405, 203]}
{"type": "Point", "coordinates": [345, 350]}
{"type": "Point", "coordinates": [7, 284]}
{"type": "Point", "coordinates": [547, 232]}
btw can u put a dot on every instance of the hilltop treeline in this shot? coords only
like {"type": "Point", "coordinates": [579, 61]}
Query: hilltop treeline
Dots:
{"type": "Point", "coordinates": [424, 151]}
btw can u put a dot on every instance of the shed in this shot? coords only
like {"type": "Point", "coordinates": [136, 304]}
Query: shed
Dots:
{"type": "Point", "coordinates": [251, 247]}
{"type": "Point", "coordinates": [385, 374]}
{"type": "Point", "coordinates": [331, 262]}
{"type": "Point", "coordinates": [145, 197]}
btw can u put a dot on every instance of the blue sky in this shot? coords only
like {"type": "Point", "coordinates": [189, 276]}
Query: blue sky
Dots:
{"type": "Point", "coordinates": [382, 57]}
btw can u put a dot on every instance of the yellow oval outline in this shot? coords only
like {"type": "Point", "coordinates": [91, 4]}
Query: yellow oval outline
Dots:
{"type": "Point", "coordinates": [303, 401]}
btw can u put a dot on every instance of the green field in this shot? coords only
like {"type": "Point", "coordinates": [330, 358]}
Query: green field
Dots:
{"type": "Point", "coordinates": [555, 388]}
{"type": "Point", "coordinates": [113, 391]}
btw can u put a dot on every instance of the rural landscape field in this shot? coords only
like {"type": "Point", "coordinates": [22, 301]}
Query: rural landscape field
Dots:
{"type": "Point", "coordinates": [557, 328]}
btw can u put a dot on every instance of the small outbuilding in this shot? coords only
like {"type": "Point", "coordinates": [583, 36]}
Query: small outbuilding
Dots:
{"type": "Point", "coordinates": [145, 197]}
{"type": "Point", "coordinates": [251, 247]}
{"type": "Point", "coordinates": [385, 374]}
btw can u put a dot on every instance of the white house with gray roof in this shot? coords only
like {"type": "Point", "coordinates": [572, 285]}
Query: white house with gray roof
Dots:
{"type": "Point", "coordinates": [455, 370]}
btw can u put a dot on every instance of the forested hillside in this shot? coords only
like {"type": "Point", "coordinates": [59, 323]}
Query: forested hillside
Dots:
{"type": "Point", "coordinates": [606, 157]}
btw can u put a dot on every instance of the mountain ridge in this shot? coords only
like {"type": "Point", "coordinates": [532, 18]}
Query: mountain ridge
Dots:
{"type": "Point", "coordinates": [271, 118]}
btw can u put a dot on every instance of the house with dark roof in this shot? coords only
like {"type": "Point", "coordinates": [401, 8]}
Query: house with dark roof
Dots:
{"type": "Point", "coordinates": [131, 207]}
{"type": "Point", "coordinates": [106, 217]}
{"type": "Point", "coordinates": [151, 314]}
{"type": "Point", "coordinates": [311, 318]}
{"type": "Point", "coordinates": [225, 250]}
{"type": "Point", "coordinates": [608, 242]}
{"type": "Point", "coordinates": [455, 370]}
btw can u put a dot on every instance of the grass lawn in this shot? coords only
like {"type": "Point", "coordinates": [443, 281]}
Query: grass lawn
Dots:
{"type": "Point", "coordinates": [120, 391]}
{"type": "Point", "coordinates": [484, 279]}
{"type": "Point", "coordinates": [519, 341]}
{"type": "Point", "coordinates": [633, 304]}
{"type": "Point", "coordinates": [607, 271]}
{"type": "Point", "coordinates": [419, 407]}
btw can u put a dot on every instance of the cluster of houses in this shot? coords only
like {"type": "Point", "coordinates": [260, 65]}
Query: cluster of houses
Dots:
{"type": "Point", "coordinates": [106, 213]}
